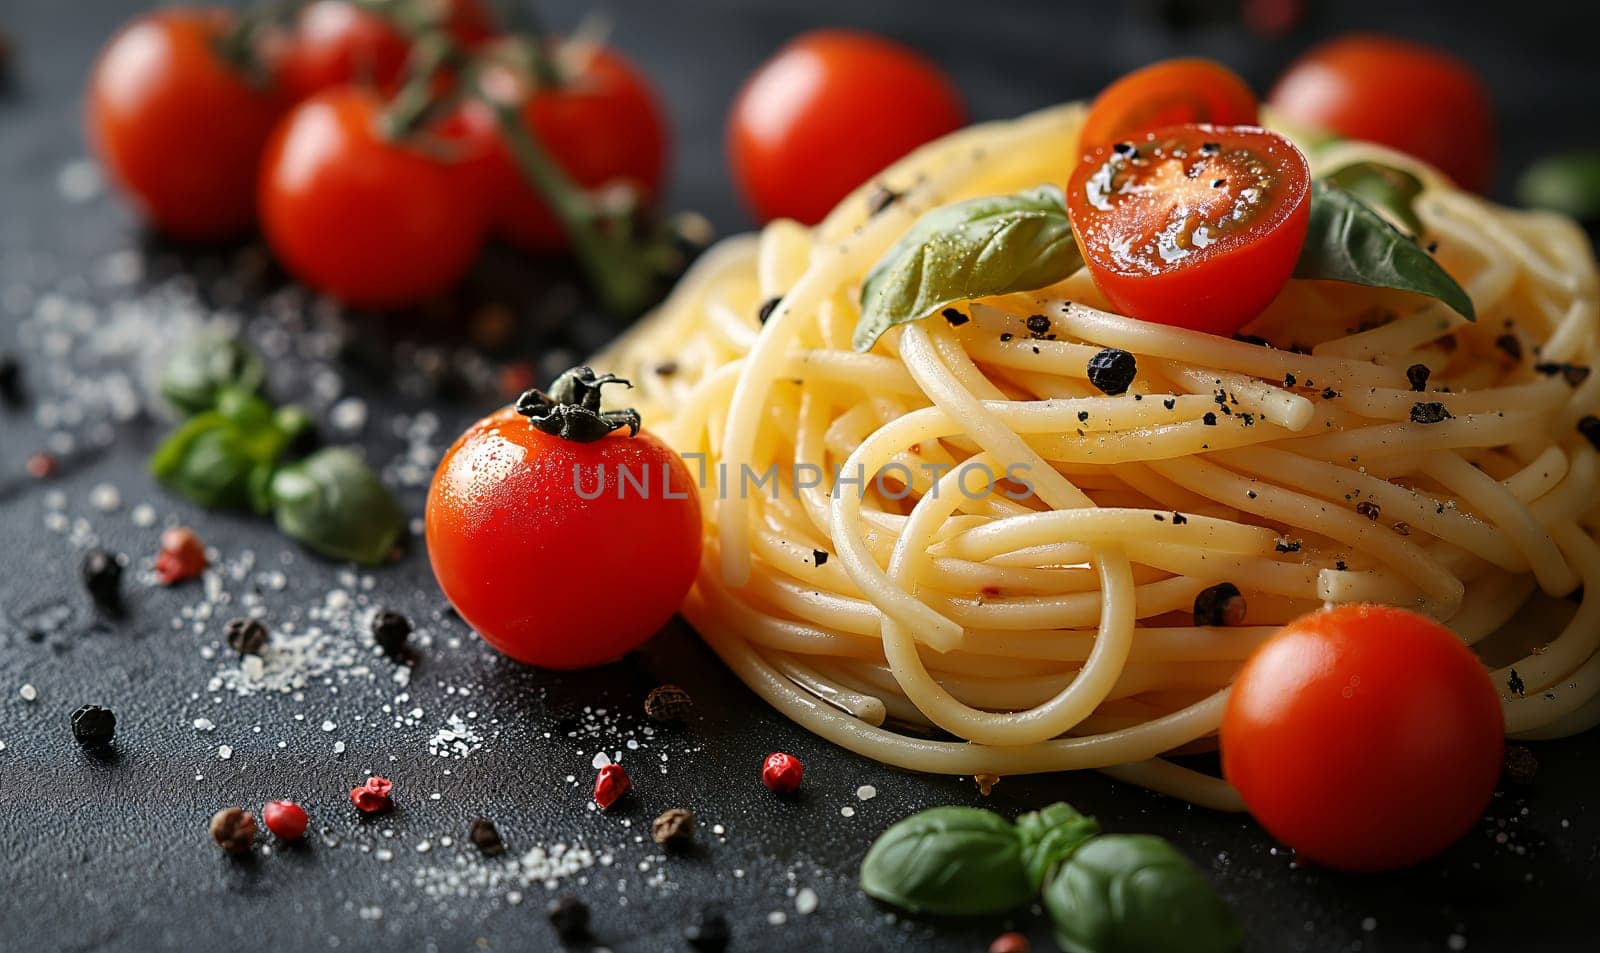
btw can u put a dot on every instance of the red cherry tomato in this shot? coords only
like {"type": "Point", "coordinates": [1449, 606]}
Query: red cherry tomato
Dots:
{"type": "Point", "coordinates": [1365, 737]}
{"type": "Point", "coordinates": [602, 126]}
{"type": "Point", "coordinates": [179, 129]}
{"type": "Point", "coordinates": [336, 42]}
{"type": "Point", "coordinates": [545, 576]}
{"type": "Point", "coordinates": [1169, 93]}
{"type": "Point", "coordinates": [1405, 95]}
{"type": "Point", "coordinates": [827, 113]}
{"type": "Point", "coordinates": [374, 223]}
{"type": "Point", "coordinates": [1192, 226]}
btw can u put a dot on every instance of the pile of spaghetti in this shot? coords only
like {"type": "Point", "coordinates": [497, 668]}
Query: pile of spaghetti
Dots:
{"type": "Point", "coordinates": [930, 627]}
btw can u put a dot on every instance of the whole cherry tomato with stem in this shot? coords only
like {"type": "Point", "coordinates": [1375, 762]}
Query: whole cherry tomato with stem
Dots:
{"type": "Point", "coordinates": [1398, 93]}
{"type": "Point", "coordinates": [826, 113]}
{"type": "Point", "coordinates": [562, 533]}
{"type": "Point", "coordinates": [180, 107]}
{"type": "Point", "coordinates": [1168, 93]}
{"type": "Point", "coordinates": [366, 203]}
{"type": "Point", "coordinates": [1366, 737]}
{"type": "Point", "coordinates": [1192, 226]}
{"type": "Point", "coordinates": [340, 42]}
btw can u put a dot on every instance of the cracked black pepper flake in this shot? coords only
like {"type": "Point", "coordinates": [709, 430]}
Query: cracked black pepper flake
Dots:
{"type": "Point", "coordinates": [1328, 393]}
{"type": "Point", "coordinates": [1511, 344]}
{"type": "Point", "coordinates": [486, 837]}
{"type": "Point", "coordinates": [1170, 403]}
{"type": "Point", "coordinates": [1519, 765]}
{"type": "Point", "coordinates": [673, 828]}
{"type": "Point", "coordinates": [1083, 416]}
{"type": "Point", "coordinates": [1369, 509]}
{"type": "Point", "coordinates": [767, 307]}
{"type": "Point", "coordinates": [94, 726]}
{"type": "Point", "coordinates": [1038, 325]}
{"type": "Point", "coordinates": [1429, 412]}
{"type": "Point", "coordinates": [11, 392]}
{"type": "Point", "coordinates": [1221, 604]}
{"type": "Point", "coordinates": [1210, 419]}
{"type": "Point", "coordinates": [1287, 546]}
{"type": "Point", "coordinates": [1178, 519]}
{"type": "Point", "coordinates": [1006, 336]}
{"type": "Point", "coordinates": [1288, 380]}
{"type": "Point", "coordinates": [1255, 339]}
{"type": "Point", "coordinates": [1418, 375]}
{"type": "Point", "coordinates": [245, 636]}
{"type": "Point", "coordinates": [880, 198]}
{"type": "Point", "coordinates": [955, 317]}
{"type": "Point", "coordinates": [1124, 149]}
{"type": "Point", "coordinates": [1403, 528]}
{"type": "Point", "coordinates": [102, 576]}
{"type": "Point", "coordinates": [1589, 426]}
{"type": "Point", "coordinates": [666, 368]}
{"type": "Point", "coordinates": [390, 630]}
{"type": "Point", "coordinates": [708, 931]}
{"type": "Point", "coordinates": [1160, 518]}
{"type": "Point", "coordinates": [1341, 566]}
{"type": "Point", "coordinates": [234, 829]}
{"type": "Point", "coordinates": [570, 917]}
{"type": "Point", "coordinates": [1516, 685]}
{"type": "Point", "coordinates": [668, 703]}
{"type": "Point", "coordinates": [1112, 370]}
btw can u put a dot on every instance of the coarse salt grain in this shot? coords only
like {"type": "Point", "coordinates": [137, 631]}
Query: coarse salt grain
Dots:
{"type": "Point", "coordinates": [204, 724]}
{"type": "Point", "coordinates": [847, 811]}
{"type": "Point", "coordinates": [225, 752]}
{"type": "Point", "coordinates": [28, 693]}
{"type": "Point", "coordinates": [805, 901]}
{"type": "Point", "coordinates": [866, 792]}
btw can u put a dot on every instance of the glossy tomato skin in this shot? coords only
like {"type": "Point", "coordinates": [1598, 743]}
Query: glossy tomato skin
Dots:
{"type": "Point", "coordinates": [603, 126]}
{"type": "Point", "coordinates": [335, 42]}
{"type": "Point", "coordinates": [1168, 93]}
{"type": "Point", "coordinates": [1367, 738]}
{"type": "Point", "coordinates": [179, 130]}
{"type": "Point", "coordinates": [1401, 94]}
{"type": "Point", "coordinates": [547, 577]}
{"type": "Point", "coordinates": [373, 223]}
{"type": "Point", "coordinates": [1119, 202]}
{"type": "Point", "coordinates": [826, 113]}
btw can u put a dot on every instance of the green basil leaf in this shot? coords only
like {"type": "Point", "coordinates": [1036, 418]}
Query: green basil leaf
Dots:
{"type": "Point", "coordinates": [1568, 183]}
{"type": "Point", "coordinates": [1347, 241]}
{"type": "Point", "coordinates": [973, 249]}
{"type": "Point", "coordinates": [1384, 186]}
{"type": "Point", "coordinates": [1136, 894]}
{"type": "Point", "coordinates": [335, 505]}
{"type": "Point", "coordinates": [956, 861]}
{"type": "Point", "coordinates": [198, 371]}
{"type": "Point", "coordinates": [211, 458]}
{"type": "Point", "coordinates": [1051, 836]}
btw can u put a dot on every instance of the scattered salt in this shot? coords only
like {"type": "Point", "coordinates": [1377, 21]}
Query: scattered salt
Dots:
{"type": "Point", "coordinates": [866, 792]}
{"type": "Point", "coordinates": [28, 693]}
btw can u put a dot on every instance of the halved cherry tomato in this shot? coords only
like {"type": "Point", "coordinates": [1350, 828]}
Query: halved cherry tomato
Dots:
{"type": "Point", "coordinates": [376, 224]}
{"type": "Point", "coordinates": [826, 113]}
{"type": "Point", "coordinates": [603, 125]}
{"type": "Point", "coordinates": [1401, 94]}
{"type": "Point", "coordinates": [1169, 93]}
{"type": "Point", "coordinates": [1365, 737]}
{"type": "Point", "coordinates": [179, 129]}
{"type": "Point", "coordinates": [545, 575]}
{"type": "Point", "coordinates": [1192, 226]}
{"type": "Point", "coordinates": [335, 42]}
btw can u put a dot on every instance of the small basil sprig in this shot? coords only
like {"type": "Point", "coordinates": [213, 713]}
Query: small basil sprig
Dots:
{"type": "Point", "coordinates": [334, 504]}
{"type": "Point", "coordinates": [1347, 241]}
{"type": "Point", "coordinates": [949, 860]}
{"type": "Point", "coordinates": [1567, 183]}
{"type": "Point", "coordinates": [1135, 893]}
{"type": "Point", "coordinates": [222, 458]}
{"type": "Point", "coordinates": [201, 369]}
{"type": "Point", "coordinates": [1384, 186]}
{"type": "Point", "coordinates": [985, 246]}
{"type": "Point", "coordinates": [1049, 837]}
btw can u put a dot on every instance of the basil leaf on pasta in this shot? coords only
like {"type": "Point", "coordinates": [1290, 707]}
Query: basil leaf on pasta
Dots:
{"type": "Point", "coordinates": [1391, 189]}
{"type": "Point", "coordinates": [1134, 893]}
{"type": "Point", "coordinates": [1347, 241]}
{"type": "Point", "coordinates": [956, 861]}
{"type": "Point", "coordinates": [986, 246]}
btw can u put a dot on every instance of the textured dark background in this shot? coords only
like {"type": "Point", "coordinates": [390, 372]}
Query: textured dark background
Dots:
{"type": "Point", "coordinates": [111, 852]}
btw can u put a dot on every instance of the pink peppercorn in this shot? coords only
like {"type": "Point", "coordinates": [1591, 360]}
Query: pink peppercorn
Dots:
{"type": "Point", "coordinates": [611, 784]}
{"type": "Point", "coordinates": [781, 772]}
{"type": "Point", "coordinates": [285, 819]}
{"type": "Point", "coordinates": [372, 797]}
{"type": "Point", "coordinates": [182, 556]}
{"type": "Point", "coordinates": [1010, 943]}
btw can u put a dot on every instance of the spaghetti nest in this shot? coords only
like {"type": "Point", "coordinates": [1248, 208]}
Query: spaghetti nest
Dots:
{"type": "Point", "coordinates": [855, 579]}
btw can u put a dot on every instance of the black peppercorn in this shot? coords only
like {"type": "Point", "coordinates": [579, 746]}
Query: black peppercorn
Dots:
{"type": "Point", "coordinates": [1515, 685]}
{"type": "Point", "coordinates": [1520, 766]}
{"type": "Point", "coordinates": [667, 703]}
{"type": "Point", "coordinates": [1418, 375]}
{"type": "Point", "coordinates": [1112, 370]}
{"type": "Point", "coordinates": [234, 829]}
{"type": "Point", "coordinates": [955, 318]}
{"type": "Point", "coordinates": [94, 726]}
{"type": "Point", "coordinates": [1429, 412]}
{"type": "Point", "coordinates": [819, 557]}
{"type": "Point", "coordinates": [486, 837]}
{"type": "Point", "coordinates": [11, 381]}
{"type": "Point", "coordinates": [708, 931]}
{"type": "Point", "coordinates": [245, 636]}
{"type": "Point", "coordinates": [1221, 604]}
{"type": "Point", "coordinates": [1369, 509]}
{"type": "Point", "coordinates": [674, 828]}
{"type": "Point", "coordinates": [102, 576]}
{"type": "Point", "coordinates": [390, 630]}
{"type": "Point", "coordinates": [1038, 325]}
{"type": "Point", "coordinates": [570, 917]}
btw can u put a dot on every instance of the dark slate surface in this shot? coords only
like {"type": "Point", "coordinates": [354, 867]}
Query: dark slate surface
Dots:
{"type": "Point", "coordinates": [111, 852]}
